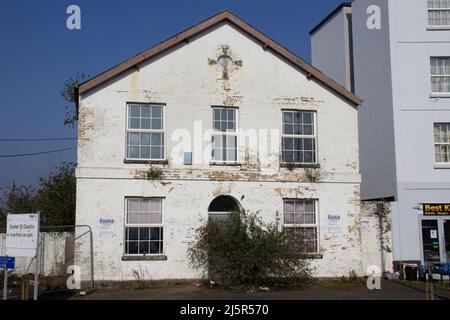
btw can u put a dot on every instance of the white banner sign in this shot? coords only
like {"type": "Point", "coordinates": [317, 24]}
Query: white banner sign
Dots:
{"type": "Point", "coordinates": [366, 224]}
{"type": "Point", "coordinates": [334, 223]}
{"type": "Point", "coordinates": [106, 229]}
{"type": "Point", "coordinates": [22, 235]}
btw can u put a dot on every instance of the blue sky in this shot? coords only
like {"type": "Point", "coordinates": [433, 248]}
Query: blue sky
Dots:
{"type": "Point", "coordinates": [38, 53]}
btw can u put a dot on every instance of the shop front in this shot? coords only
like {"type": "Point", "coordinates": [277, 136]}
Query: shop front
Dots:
{"type": "Point", "coordinates": [435, 235]}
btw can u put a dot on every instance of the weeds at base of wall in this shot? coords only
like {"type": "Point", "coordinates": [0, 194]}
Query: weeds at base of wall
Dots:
{"type": "Point", "coordinates": [48, 283]}
{"type": "Point", "coordinates": [53, 282]}
{"type": "Point", "coordinates": [340, 282]}
{"type": "Point", "coordinates": [270, 284]}
{"type": "Point", "coordinates": [143, 284]}
{"type": "Point", "coordinates": [267, 284]}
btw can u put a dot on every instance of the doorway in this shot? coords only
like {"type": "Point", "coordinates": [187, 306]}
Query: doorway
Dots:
{"type": "Point", "coordinates": [221, 207]}
{"type": "Point", "coordinates": [436, 239]}
{"type": "Point", "coordinates": [430, 241]}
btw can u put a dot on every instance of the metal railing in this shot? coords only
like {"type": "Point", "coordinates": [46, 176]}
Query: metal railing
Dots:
{"type": "Point", "coordinates": [57, 252]}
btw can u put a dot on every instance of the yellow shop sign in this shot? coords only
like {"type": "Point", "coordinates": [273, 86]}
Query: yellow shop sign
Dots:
{"type": "Point", "coordinates": [436, 209]}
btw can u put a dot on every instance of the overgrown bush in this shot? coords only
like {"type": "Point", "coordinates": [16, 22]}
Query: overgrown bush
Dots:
{"type": "Point", "coordinates": [245, 251]}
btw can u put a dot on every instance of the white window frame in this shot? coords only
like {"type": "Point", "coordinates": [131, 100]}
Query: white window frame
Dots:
{"type": "Point", "coordinates": [440, 143]}
{"type": "Point", "coordinates": [314, 136]}
{"type": "Point", "coordinates": [438, 76]}
{"type": "Point", "coordinates": [131, 130]}
{"type": "Point", "coordinates": [142, 225]}
{"type": "Point", "coordinates": [430, 10]}
{"type": "Point", "coordinates": [305, 225]}
{"type": "Point", "coordinates": [225, 133]}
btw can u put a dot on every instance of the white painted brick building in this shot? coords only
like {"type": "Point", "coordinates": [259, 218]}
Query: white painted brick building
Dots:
{"type": "Point", "coordinates": [133, 117]}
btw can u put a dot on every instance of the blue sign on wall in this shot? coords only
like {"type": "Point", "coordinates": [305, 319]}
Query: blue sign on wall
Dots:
{"type": "Point", "coordinates": [8, 262]}
{"type": "Point", "coordinates": [188, 158]}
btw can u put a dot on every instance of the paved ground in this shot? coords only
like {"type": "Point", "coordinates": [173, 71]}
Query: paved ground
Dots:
{"type": "Point", "coordinates": [389, 291]}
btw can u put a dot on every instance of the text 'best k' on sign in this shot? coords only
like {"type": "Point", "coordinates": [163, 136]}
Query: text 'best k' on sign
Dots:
{"type": "Point", "coordinates": [436, 209]}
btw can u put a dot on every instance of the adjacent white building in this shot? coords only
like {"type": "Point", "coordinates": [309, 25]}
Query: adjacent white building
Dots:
{"type": "Point", "coordinates": [216, 118]}
{"type": "Point", "coordinates": [395, 55]}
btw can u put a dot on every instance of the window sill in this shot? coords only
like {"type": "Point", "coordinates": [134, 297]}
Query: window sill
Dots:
{"type": "Point", "coordinates": [438, 28]}
{"type": "Point", "coordinates": [440, 95]}
{"type": "Point", "coordinates": [300, 165]}
{"type": "Point", "coordinates": [442, 166]}
{"type": "Point", "coordinates": [314, 256]}
{"type": "Point", "coordinates": [159, 257]}
{"type": "Point", "coordinates": [143, 161]}
{"type": "Point", "coordinates": [229, 164]}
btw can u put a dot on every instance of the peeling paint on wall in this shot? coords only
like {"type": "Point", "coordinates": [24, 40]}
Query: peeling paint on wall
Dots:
{"type": "Point", "coordinates": [219, 68]}
{"type": "Point", "coordinates": [297, 102]}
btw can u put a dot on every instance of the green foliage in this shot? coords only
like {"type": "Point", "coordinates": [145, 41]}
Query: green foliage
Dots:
{"type": "Point", "coordinates": [245, 251]}
{"type": "Point", "coordinates": [154, 174]}
{"type": "Point", "coordinates": [13, 279]}
{"type": "Point", "coordinates": [341, 282]}
{"type": "Point", "coordinates": [313, 175]}
{"type": "Point", "coordinates": [17, 199]}
{"type": "Point", "coordinates": [68, 93]}
{"type": "Point", "coordinates": [55, 198]}
{"type": "Point", "coordinates": [20, 199]}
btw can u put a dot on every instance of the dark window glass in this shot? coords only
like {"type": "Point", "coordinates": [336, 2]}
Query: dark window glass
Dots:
{"type": "Point", "coordinates": [430, 241]}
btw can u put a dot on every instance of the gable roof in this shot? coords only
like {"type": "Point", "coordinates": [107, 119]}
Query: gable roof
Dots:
{"type": "Point", "coordinates": [226, 15]}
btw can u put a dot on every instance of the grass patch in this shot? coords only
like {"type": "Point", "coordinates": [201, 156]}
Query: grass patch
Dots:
{"type": "Point", "coordinates": [442, 285]}
{"type": "Point", "coordinates": [445, 285]}
{"type": "Point", "coordinates": [136, 285]}
{"type": "Point", "coordinates": [340, 282]}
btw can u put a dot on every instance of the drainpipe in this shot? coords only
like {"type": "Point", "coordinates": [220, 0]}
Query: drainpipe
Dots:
{"type": "Point", "coordinates": [381, 213]}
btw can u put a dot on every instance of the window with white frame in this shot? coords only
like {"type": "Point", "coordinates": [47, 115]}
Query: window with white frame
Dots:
{"type": "Point", "coordinates": [301, 221]}
{"type": "Point", "coordinates": [440, 74]}
{"type": "Point", "coordinates": [442, 142]}
{"type": "Point", "coordinates": [145, 132]}
{"type": "Point", "coordinates": [439, 13]}
{"type": "Point", "coordinates": [224, 134]}
{"type": "Point", "coordinates": [143, 226]}
{"type": "Point", "coordinates": [299, 137]}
